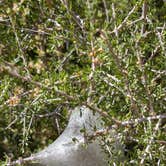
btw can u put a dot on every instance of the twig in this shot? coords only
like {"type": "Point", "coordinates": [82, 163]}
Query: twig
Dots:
{"type": "Point", "coordinates": [127, 17]}
{"type": "Point", "coordinates": [135, 21]}
{"type": "Point", "coordinates": [144, 119]}
{"type": "Point", "coordinates": [64, 61]}
{"type": "Point", "coordinates": [154, 53]}
{"type": "Point", "coordinates": [159, 35]}
{"type": "Point", "coordinates": [132, 122]}
{"type": "Point", "coordinates": [125, 123]}
{"type": "Point", "coordinates": [115, 86]}
{"type": "Point", "coordinates": [93, 67]}
{"type": "Point", "coordinates": [114, 18]}
{"type": "Point", "coordinates": [150, 142]}
{"type": "Point", "coordinates": [140, 61]}
{"type": "Point", "coordinates": [123, 72]}
{"type": "Point", "coordinates": [41, 32]}
{"type": "Point", "coordinates": [162, 142]}
{"type": "Point", "coordinates": [113, 78]}
{"type": "Point", "coordinates": [124, 22]}
{"type": "Point", "coordinates": [14, 121]}
{"type": "Point", "coordinates": [159, 75]}
{"type": "Point", "coordinates": [18, 42]}
{"type": "Point", "coordinates": [144, 15]}
{"type": "Point", "coordinates": [57, 125]}
{"type": "Point", "coordinates": [21, 161]}
{"type": "Point", "coordinates": [76, 18]}
{"type": "Point", "coordinates": [12, 70]}
{"type": "Point", "coordinates": [102, 113]}
{"type": "Point", "coordinates": [144, 82]}
{"type": "Point", "coordinates": [50, 114]}
{"type": "Point", "coordinates": [106, 11]}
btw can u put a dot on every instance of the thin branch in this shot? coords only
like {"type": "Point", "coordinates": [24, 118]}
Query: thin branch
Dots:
{"type": "Point", "coordinates": [132, 122]}
{"type": "Point", "coordinates": [18, 42]}
{"type": "Point", "coordinates": [114, 18]}
{"type": "Point", "coordinates": [135, 21]}
{"type": "Point", "coordinates": [14, 121]}
{"type": "Point", "coordinates": [106, 11]}
{"type": "Point", "coordinates": [122, 71]}
{"type": "Point", "coordinates": [41, 32]}
{"type": "Point", "coordinates": [159, 75]}
{"type": "Point", "coordinates": [144, 15]}
{"type": "Point", "coordinates": [162, 142]}
{"type": "Point", "coordinates": [59, 68]}
{"type": "Point", "coordinates": [93, 67]}
{"type": "Point", "coordinates": [102, 113]}
{"type": "Point", "coordinates": [75, 17]}
{"type": "Point", "coordinates": [145, 83]}
{"type": "Point", "coordinates": [154, 53]}
{"type": "Point", "coordinates": [161, 41]}
{"type": "Point", "coordinates": [126, 18]}
{"type": "Point", "coordinates": [144, 78]}
{"type": "Point", "coordinates": [12, 70]}
{"type": "Point", "coordinates": [113, 85]}
{"type": "Point", "coordinates": [144, 119]}
{"type": "Point", "coordinates": [50, 114]}
{"type": "Point", "coordinates": [21, 161]}
{"type": "Point", "coordinates": [124, 22]}
{"type": "Point", "coordinates": [147, 149]}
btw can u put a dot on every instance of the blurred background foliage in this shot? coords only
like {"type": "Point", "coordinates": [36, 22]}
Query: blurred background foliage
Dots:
{"type": "Point", "coordinates": [54, 54]}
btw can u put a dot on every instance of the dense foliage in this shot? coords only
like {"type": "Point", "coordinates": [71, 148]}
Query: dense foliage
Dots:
{"type": "Point", "coordinates": [57, 54]}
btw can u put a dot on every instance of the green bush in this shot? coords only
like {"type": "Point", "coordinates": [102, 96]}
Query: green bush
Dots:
{"type": "Point", "coordinates": [55, 55]}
